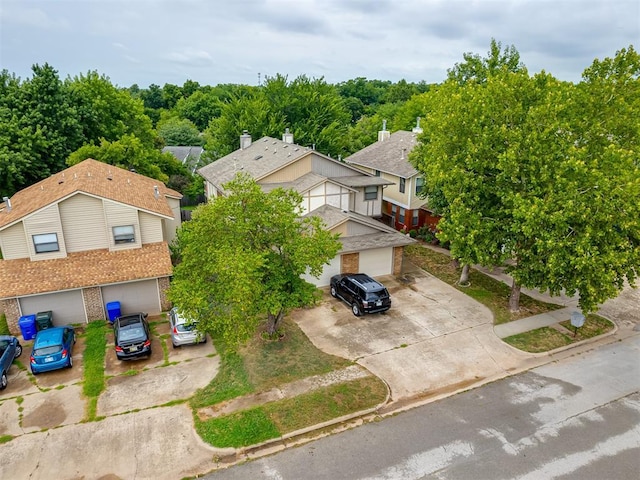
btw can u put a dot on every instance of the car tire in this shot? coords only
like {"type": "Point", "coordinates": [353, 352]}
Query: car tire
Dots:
{"type": "Point", "coordinates": [70, 364]}
{"type": "Point", "coordinates": [355, 308]}
{"type": "Point", "coordinates": [3, 381]}
{"type": "Point", "coordinates": [174, 345]}
{"type": "Point", "coordinates": [333, 291]}
{"type": "Point", "coordinates": [18, 350]}
{"type": "Point", "coordinates": [35, 372]}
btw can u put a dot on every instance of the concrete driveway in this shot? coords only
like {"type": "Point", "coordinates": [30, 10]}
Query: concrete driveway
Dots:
{"type": "Point", "coordinates": [434, 338]}
{"type": "Point", "coordinates": [137, 439]}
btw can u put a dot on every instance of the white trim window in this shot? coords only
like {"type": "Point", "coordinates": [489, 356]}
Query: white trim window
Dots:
{"type": "Point", "coordinates": [46, 242]}
{"type": "Point", "coordinates": [371, 192]}
{"type": "Point", "coordinates": [415, 217]}
{"type": "Point", "coordinates": [401, 187]}
{"type": "Point", "coordinates": [419, 185]}
{"type": "Point", "coordinates": [402, 215]}
{"type": "Point", "coordinates": [124, 234]}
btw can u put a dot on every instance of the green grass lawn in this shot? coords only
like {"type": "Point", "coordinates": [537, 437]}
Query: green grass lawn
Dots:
{"type": "Point", "coordinates": [486, 290]}
{"type": "Point", "coordinates": [261, 365]}
{"type": "Point", "coordinates": [546, 339]}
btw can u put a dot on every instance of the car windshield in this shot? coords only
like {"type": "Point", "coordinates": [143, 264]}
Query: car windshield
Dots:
{"type": "Point", "coordinates": [133, 332]}
{"type": "Point", "coordinates": [39, 352]}
{"type": "Point", "coordinates": [3, 344]}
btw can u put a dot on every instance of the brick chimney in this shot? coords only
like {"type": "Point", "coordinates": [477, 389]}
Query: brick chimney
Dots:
{"type": "Point", "coordinates": [245, 140]}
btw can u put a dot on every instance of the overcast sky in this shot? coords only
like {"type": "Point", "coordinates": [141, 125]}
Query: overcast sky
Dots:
{"type": "Point", "coordinates": [238, 41]}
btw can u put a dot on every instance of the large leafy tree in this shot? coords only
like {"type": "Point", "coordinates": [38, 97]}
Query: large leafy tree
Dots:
{"type": "Point", "coordinates": [242, 257]}
{"type": "Point", "coordinates": [175, 131]}
{"type": "Point", "coordinates": [39, 127]}
{"type": "Point", "coordinates": [310, 108]}
{"type": "Point", "coordinates": [536, 172]}
{"type": "Point", "coordinates": [104, 111]}
{"type": "Point", "coordinates": [479, 69]}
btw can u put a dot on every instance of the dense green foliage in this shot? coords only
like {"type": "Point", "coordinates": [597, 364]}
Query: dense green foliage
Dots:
{"type": "Point", "coordinates": [541, 173]}
{"type": "Point", "coordinates": [242, 257]}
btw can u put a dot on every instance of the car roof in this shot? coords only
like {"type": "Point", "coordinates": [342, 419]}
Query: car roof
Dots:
{"type": "Point", "coordinates": [180, 318]}
{"type": "Point", "coordinates": [49, 336]}
{"type": "Point", "coordinates": [125, 320]}
{"type": "Point", "coordinates": [366, 282]}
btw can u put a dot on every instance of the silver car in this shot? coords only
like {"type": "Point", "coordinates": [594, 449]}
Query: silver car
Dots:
{"type": "Point", "coordinates": [183, 330]}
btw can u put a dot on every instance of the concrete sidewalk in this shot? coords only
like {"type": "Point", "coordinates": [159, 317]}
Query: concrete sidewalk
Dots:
{"type": "Point", "coordinates": [531, 323]}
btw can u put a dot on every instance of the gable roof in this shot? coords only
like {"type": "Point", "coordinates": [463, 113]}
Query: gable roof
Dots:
{"type": "Point", "coordinates": [260, 159]}
{"type": "Point", "coordinates": [188, 155]}
{"type": "Point", "coordinates": [93, 178]}
{"type": "Point", "coordinates": [384, 237]}
{"type": "Point", "coordinates": [84, 269]}
{"type": "Point", "coordinates": [389, 156]}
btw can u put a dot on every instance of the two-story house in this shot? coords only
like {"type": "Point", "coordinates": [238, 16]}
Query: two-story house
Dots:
{"type": "Point", "coordinates": [84, 237]}
{"type": "Point", "coordinates": [347, 199]}
{"type": "Point", "coordinates": [402, 205]}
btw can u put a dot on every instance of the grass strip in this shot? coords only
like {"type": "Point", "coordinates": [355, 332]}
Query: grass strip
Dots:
{"type": "Point", "coordinates": [546, 339]}
{"type": "Point", "coordinates": [274, 419]}
{"type": "Point", "coordinates": [93, 358]}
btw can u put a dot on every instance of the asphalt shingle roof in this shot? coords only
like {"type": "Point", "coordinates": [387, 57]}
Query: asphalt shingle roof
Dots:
{"type": "Point", "coordinates": [83, 269]}
{"type": "Point", "coordinates": [93, 178]}
{"type": "Point", "coordinates": [389, 156]}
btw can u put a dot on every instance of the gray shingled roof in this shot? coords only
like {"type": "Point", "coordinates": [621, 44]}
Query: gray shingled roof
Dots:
{"type": "Point", "coordinates": [361, 181]}
{"type": "Point", "coordinates": [302, 184]}
{"type": "Point", "coordinates": [388, 155]}
{"type": "Point", "coordinates": [259, 159]}
{"type": "Point", "coordinates": [262, 158]}
{"type": "Point", "coordinates": [386, 236]}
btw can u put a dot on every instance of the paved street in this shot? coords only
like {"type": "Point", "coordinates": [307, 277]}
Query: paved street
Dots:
{"type": "Point", "coordinates": [574, 419]}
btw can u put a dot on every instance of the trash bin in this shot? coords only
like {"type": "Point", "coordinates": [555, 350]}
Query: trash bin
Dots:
{"type": "Point", "coordinates": [27, 325]}
{"type": "Point", "coordinates": [113, 311]}
{"type": "Point", "coordinates": [44, 320]}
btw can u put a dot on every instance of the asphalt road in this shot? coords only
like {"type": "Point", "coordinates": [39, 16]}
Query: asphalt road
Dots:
{"type": "Point", "coordinates": [574, 419]}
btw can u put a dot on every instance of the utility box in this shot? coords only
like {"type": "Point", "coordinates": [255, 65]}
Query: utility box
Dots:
{"type": "Point", "coordinates": [27, 325]}
{"type": "Point", "coordinates": [44, 320]}
{"type": "Point", "coordinates": [113, 311]}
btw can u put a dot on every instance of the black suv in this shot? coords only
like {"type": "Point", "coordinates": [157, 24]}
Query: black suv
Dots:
{"type": "Point", "coordinates": [362, 292]}
{"type": "Point", "coordinates": [132, 336]}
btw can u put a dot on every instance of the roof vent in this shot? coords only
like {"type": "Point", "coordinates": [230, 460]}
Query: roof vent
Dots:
{"type": "Point", "coordinates": [109, 176]}
{"type": "Point", "coordinates": [257, 157]}
{"type": "Point", "coordinates": [61, 179]}
{"type": "Point", "coordinates": [156, 192]}
{"type": "Point", "coordinates": [7, 202]}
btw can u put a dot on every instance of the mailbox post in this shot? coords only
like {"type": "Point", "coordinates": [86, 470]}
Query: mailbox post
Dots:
{"type": "Point", "coordinates": [577, 320]}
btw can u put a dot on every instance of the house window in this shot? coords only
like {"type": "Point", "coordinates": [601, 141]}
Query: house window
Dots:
{"type": "Point", "coordinates": [371, 192]}
{"type": "Point", "coordinates": [377, 173]}
{"type": "Point", "coordinates": [394, 211]}
{"type": "Point", "coordinates": [47, 242]}
{"type": "Point", "coordinates": [414, 218]}
{"type": "Point", "coordinates": [401, 216]}
{"type": "Point", "coordinates": [402, 185]}
{"type": "Point", "coordinates": [419, 184]}
{"type": "Point", "coordinates": [124, 234]}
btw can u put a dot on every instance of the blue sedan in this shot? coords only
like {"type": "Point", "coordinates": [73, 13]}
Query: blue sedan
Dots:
{"type": "Point", "coordinates": [52, 349]}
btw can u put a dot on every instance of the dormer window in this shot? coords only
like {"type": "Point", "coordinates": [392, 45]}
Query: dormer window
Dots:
{"type": "Point", "coordinates": [45, 243]}
{"type": "Point", "coordinates": [371, 192]}
{"type": "Point", "coordinates": [124, 234]}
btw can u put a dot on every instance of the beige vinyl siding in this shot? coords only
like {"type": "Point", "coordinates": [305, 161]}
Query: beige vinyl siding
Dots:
{"type": "Point", "coordinates": [391, 193]}
{"type": "Point", "coordinates": [341, 229]}
{"type": "Point", "coordinates": [13, 242]}
{"type": "Point", "coordinates": [44, 221]}
{"type": "Point", "coordinates": [83, 223]}
{"type": "Point", "coordinates": [290, 172]}
{"type": "Point", "coordinates": [355, 228]}
{"type": "Point", "coordinates": [118, 215]}
{"type": "Point", "coordinates": [171, 226]}
{"type": "Point", "coordinates": [151, 227]}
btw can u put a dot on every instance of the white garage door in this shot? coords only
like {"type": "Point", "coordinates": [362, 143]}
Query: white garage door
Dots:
{"type": "Point", "coordinates": [377, 262]}
{"type": "Point", "coordinates": [67, 307]}
{"type": "Point", "coordinates": [325, 277]}
{"type": "Point", "coordinates": [134, 296]}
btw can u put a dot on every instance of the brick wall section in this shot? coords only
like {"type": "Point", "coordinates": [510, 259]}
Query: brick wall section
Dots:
{"type": "Point", "coordinates": [397, 260]}
{"type": "Point", "coordinates": [12, 311]}
{"type": "Point", "coordinates": [163, 286]}
{"type": "Point", "coordinates": [93, 304]}
{"type": "Point", "coordinates": [350, 263]}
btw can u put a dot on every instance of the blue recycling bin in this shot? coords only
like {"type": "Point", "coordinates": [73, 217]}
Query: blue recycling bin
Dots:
{"type": "Point", "coordinates": [27, 325]}
{"type": "Point", "coordinates": [113, 311]}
